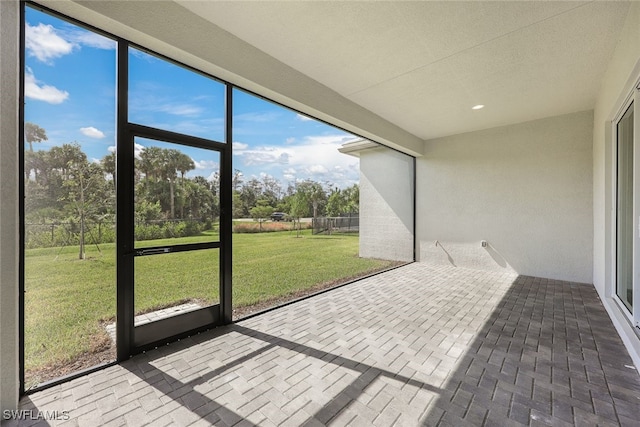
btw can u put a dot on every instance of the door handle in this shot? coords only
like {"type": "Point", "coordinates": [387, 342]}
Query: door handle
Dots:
{"type": "Point", "coordinates": [152, 251]}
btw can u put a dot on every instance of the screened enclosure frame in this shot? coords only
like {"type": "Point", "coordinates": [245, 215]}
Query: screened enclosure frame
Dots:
{"type": "Point", "coordinates": [206, 318]}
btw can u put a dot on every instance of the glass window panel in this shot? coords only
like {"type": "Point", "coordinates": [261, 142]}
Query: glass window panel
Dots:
{"type": "Point", "coordinates": [297, 206]}
{"type": "Point", "coordinates": [170, 284]}
{"type": "Point", "coordinates": [625, 232]}
{"type": "Point", "coordinates": [166, 96]}
{"type": "Point", "coordinates": [176, 194]}
{"type": "Point", "coordinates": [69, 183]}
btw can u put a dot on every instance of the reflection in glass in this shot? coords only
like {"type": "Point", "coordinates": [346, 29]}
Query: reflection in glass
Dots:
{"type": "Point", "coordinates": [166, 96]}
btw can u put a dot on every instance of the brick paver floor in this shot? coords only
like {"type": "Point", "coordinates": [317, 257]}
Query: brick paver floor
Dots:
{"type": "Point", "coordinates": [418, 345]}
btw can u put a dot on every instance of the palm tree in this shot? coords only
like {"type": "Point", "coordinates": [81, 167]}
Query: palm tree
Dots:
{"type": "Point", "coordinates": [34, 133]}
{"type": "Point", "coordinates": [151, 162]}
{"type": "Point", "coordinates": [184, 164]}
{"type": "Point", "coordinates": [65, 156]}
{"type": "Point", "coordinates": [162, 165]}
{"type": "Point", "coordinates": [170, 161]}
{"type": "Point", "coordinates": [109, 166]}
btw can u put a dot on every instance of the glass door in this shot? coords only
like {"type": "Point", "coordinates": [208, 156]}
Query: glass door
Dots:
{"type": "Point", "coordinates": [176, 239]}
{"type": "Point", "coordinates": [627, 269]}
{"type": "Point", "coordinates": [173, 184]}
{"type": "Point", "coordinates": [625, 209]}
{"type": "Point", "coordinates": [170, 273]}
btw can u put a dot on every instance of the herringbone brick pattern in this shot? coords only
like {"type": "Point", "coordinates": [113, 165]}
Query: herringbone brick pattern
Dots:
{"type": "Point", "coordinates": [419, 345]}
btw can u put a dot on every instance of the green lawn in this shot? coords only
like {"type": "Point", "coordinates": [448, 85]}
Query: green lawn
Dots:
{"type": "Point", "coordinates": [68, 300]}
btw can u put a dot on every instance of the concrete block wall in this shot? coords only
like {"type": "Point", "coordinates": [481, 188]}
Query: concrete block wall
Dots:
{"type": "Point", "coordinates": [386, 204]}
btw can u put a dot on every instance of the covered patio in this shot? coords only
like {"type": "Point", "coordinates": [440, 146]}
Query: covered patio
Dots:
{"type": "Point", "coordinates": [417, 345]}
{"type": "Point", "coordinates": [516, 121]}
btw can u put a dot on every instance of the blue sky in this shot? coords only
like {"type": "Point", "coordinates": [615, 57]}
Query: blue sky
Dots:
{"type": "Point", "coordinates": [70, 92]}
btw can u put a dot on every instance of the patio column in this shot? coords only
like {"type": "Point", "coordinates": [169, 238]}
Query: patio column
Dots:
{"type": "Point", "coordinates": [9, 203]}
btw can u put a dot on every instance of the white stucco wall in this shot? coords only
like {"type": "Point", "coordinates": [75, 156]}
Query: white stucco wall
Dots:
{"type": "Point", "coordinates": [9, 27]}
{"type": "Point", "coordinates": [526, 189]}
{"type": "Point", "coordinates": [623, 71]}
{"type": "Point", "coordinates": [386, 204]}
{"type": "Point", "coordinates": [614, 87]}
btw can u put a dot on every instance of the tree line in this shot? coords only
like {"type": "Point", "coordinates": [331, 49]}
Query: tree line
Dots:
{"type": "Point", "coordinates": [259, 198]}
{"type": "Point", "coordinates": [62, 185]}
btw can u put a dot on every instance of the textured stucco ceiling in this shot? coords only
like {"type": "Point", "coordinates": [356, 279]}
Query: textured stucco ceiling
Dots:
{"type": "Point", "coordinates": [423, 65]}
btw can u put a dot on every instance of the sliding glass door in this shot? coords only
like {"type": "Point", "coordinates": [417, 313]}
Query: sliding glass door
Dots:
{"type": "Point", "coordinates": [625, 215]}
{"type": "Point", "coordinates": [627, 247]}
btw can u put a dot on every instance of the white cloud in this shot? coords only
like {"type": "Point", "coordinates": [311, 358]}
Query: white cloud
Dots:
{"type": "Point", "coordinates": [304, 118]}
{"type": "Point", "coordinates": [289, 174]}
{"type": "Point", "coordinates": [137, 149]}
{"type": "Point", "coordinates": [205, 164]}
{"type": "Point", "coordinates": [88, 38]}
{"type": "Point", "coordinates": [283, 158]}
{"type": "Point", "coordinates": [43, 42]}
{"type": "Point", "coordinates": [92, 132]}
{"type": "Point", "coordinates": [318, 169]}
{"type": "Point", "coordinates": [152, 104]}
{"type": "Point", "coordinates": [211, 128]}
{"type": "Point", "coordinates": [267, 155]}
{"type": "Point", "coordinates": [46, 93]}
{"type": "Point", "coordinates": [290, 140]}
{"type": "Point", "coordinates": [47, 43]}
{"type": "Point", "coordinates": [150, 97]}
{"type": "Point", "coordinates": [239, 146]}
{"type": "Point", "coordinates": [256, 117]}
{"type": "Point", "coordinates": [178, 109]}
{"type": "Point", "coordinates": [316, 157]}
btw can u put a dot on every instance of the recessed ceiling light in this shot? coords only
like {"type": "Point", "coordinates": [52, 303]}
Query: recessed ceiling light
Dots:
{"type": "Point", "coordinates": [477, 107]}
